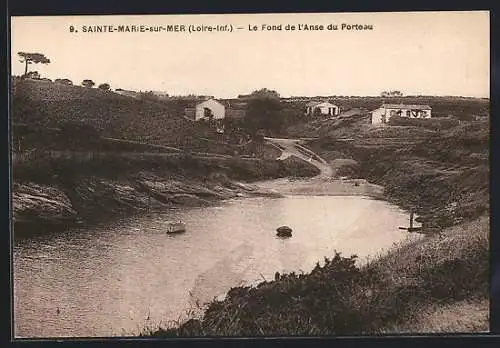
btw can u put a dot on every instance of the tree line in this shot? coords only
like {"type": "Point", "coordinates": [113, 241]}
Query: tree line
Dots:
{"type": "Point", "coordinates": [29, 58]}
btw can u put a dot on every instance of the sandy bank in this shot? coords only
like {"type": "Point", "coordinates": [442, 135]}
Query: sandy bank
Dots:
{"type": "Point", "coordinates": [323, 187]}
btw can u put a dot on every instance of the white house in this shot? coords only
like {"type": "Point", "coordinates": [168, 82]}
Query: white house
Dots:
{"type": "Point", "coordinates": [325, 108]}
{"type": "Point", "coordinates": [208, 108]}
{"type": "Point", "coordinates": [386, 111]}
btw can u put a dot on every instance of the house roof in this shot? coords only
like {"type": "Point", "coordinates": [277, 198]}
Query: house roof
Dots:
{"type": "Point", "coordinates": [406, 106]}
{"type": "Point", "coordinates": [313, 103]}
{"type": "Point", "coordinates": [212, 99]}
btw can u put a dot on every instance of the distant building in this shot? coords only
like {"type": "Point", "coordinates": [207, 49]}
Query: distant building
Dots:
{"type": "Point", "coordinates": [207, 109]}
{"type": "Point", "coordinates": [217, 109]}
{"type": "Point", "coordinates": [324, 108]}
{"type": "Point", "coordinates": [386, 111]}
{"type": "Point", "coordinates": [160, 94]}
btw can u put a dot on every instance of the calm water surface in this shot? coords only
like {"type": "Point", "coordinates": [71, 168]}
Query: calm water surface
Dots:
{"type": "Point", "coordinates": [119, 279]}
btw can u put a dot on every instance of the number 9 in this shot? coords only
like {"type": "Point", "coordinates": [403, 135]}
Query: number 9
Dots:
{"type": "Point", "coordinates": [71, 29]}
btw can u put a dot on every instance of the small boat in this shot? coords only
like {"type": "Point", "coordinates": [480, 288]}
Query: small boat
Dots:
{"type": "Point", "coordinates": [284, 232]}
{"type": "Point", "coordinates": [175, 227]}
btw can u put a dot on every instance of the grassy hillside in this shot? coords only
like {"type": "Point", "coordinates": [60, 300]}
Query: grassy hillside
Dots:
{"type": "Point", "coordinates": [48, 115]}
{"type": "Point", "coordinates": [51, 104]}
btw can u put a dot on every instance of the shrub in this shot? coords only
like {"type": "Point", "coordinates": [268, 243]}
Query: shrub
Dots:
{"type": "Point", "coordinates": [78, 135]}
{"type": "Point", "coordinates": [88, 83]}
{"type": "Point", "coordinates": [105, 86]}
{"type": "Point", "coordinates": [35, 75]}
{"type": "Point", "coordinates": [64, 81]}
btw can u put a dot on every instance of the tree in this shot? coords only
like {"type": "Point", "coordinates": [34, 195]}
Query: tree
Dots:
{"type": "Point", "coordinates": [104, 86]}
{"type": "Point", "coordinates": [391, 94]}
{"type": "Point", "coordinates": [32, 58]}
{"type": "Point", "coordinates": [88, 83]}
{"type": "Point", "coordinates": [265, 93]}
{"type": "Point", "coordinates": [264, 113]}
{"type": "Point", "coordinates": [64, 81]}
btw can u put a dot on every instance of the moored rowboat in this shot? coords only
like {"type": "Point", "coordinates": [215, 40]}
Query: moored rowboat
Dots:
{"type": "Point", "coordinates": [175, 227]}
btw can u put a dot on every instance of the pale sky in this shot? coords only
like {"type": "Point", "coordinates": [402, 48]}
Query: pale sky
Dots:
{"type": "Point", "coordinates": [426, 53]}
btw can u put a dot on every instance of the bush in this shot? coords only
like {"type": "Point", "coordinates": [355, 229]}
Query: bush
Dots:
{"type": "Point", "coordinates": [78, 135]}
{"type": "Point", "coordinates": [64, 81]}
{"type": "Point", "coordinates": [88, 83]}
{"type": "Point", "coordinates": [105, 86]}
{"type": "Point", "coordinates": [35, 75]}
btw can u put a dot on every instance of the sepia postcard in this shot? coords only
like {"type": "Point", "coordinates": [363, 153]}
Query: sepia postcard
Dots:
{"type": "Point", "coordinates": [249, 175]}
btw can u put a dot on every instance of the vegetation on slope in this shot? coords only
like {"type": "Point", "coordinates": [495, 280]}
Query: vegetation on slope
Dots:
{"type": "Point", "coordinates": [55, 116]}
{"type": "Point", "coordinates": [341, 298]}
{"type": "Point", "coordinates": [51, 104]}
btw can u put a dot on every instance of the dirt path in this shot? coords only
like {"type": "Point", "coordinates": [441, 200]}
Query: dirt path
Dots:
{"type": "Point", "coordinates": [292, 147]}
{"type": "Point", "coordinates": [321, 185]}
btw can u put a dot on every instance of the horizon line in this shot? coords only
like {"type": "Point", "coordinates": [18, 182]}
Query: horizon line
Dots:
{"type": "Point", "coordinates": [236, 95]}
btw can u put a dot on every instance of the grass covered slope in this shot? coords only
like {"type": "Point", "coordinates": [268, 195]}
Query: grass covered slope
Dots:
{"type": "Point", "coordinates": [52, 104]}
{"type": "Point", "coordinates": [87, 115]}
{"type": "Point", "coordinates": [388, 295]}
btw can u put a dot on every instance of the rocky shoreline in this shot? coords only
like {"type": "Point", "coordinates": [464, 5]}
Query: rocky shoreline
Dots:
{"type": "Point", "coordinates": [39, 207]}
